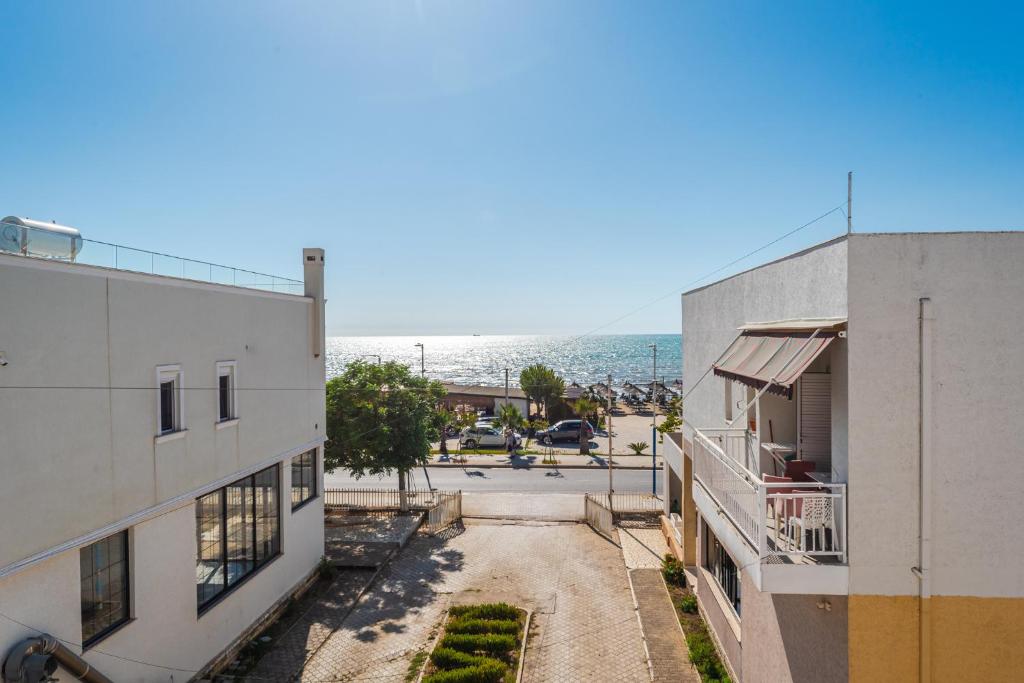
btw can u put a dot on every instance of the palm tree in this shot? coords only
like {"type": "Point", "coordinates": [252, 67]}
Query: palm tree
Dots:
{"type": "Point", "coordinates": [584, 408]}
{"type": "Point", "coordinates": [638, 447]}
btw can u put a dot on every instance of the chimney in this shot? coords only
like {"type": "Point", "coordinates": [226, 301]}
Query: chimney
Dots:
{"type": "Point", "coordinates": [313, 275]}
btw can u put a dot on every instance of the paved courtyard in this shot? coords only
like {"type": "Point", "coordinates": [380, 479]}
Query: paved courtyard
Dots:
{"type": "Point", "coordinates": [585, 626]}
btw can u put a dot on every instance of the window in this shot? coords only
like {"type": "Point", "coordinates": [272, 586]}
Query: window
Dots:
{"type": "Point", "coordinates": [227, 391]}
{"type": "Point", "coordinates": [303, 478]}
{"type": "Point", "coordinates": [237, 532]}
{"type": "Point", "coordinates": [718, 562]}
{"type": "Point", "coordinates": [104, 586]}
{"type": "Point", "coordinates": [169, 399]}
{"type": "Point", "coordinates": [728, 400]}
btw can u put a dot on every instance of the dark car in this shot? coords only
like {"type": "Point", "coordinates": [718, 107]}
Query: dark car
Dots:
{"type": "Point", "coordinates": [566, 430]}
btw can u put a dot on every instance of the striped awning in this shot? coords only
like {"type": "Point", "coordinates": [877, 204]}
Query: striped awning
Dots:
{"type": "Point", "coordinates": [775, 355]}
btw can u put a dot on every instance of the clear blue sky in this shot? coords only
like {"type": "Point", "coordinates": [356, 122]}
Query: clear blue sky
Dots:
{"type": "Point", "coordinates": [506, 167]}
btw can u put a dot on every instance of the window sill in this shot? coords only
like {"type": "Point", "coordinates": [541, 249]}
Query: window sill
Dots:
{"type": "Point", "coordinates": [205, 608]}
{"type": "Point", "coordinates": [724, 605]}
{"type": "Point", "coordinates": [299, 506]}
{"type": "Point", "coordinates": [103, 635]}
{"type": "Point", "coordinates": [224, 424]}
{"type": "Point", "coordinates": [170, 436]}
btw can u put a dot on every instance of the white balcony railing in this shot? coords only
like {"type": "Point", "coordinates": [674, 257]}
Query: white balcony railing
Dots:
{"type": "Point", "coordinates": [791, 520]}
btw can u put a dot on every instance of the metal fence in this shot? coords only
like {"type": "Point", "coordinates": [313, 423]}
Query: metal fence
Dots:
{"type": "Point", "coordinates": [39, 243]}
{"type": "Point", "coordinates": [443, 508]}
{"type": "Point", "coordinates": [598, 516]}
{"type": "Point", "coordinates": [631, 502]}
{"type": "Point", "coordinates": [379, 499]}
{"type": "Point", "coordinates": [445, 512]}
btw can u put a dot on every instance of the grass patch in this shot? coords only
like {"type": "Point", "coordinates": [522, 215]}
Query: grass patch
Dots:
{"type": "Point", "coordinates": [414, 666]}
{"type": "Point", "coordinates": [484, 451]}
{"type": "Point", "coordinates": [480, 644]}
{"type": "Point", "coordinates": [701, 647]}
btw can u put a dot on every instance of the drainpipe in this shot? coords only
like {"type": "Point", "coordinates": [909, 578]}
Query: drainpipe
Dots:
{"type": "Point", "coordinates": [35, 659]}
{"type": "Point", "coordinates": [923, 569]}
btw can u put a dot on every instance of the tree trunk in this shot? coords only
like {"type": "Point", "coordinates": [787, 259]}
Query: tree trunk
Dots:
{"type": "Point", "coordinates": [444, 441]}
{"type": "Point", "coordinates": [403, 496]}
{"type": "Point", "coordinates": [584, 439]}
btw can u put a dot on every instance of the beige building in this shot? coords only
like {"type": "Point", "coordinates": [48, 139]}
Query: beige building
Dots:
{"type": "Point", "coordinates": [161, 443]}
{"type": "Point", "coordinates": [849, 472]}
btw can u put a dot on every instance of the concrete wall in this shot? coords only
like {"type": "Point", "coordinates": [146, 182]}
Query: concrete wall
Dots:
{"type": "Point", "coordinates": [811, 284]}
{"type": "Point", "coordinates": [83, 344]}
{"type": "Point", "coordinates": [165, 630]}
{"type": "Point", "coordinates": [977, 293]}
{"type": "Point", "coordinates": [789, 638]}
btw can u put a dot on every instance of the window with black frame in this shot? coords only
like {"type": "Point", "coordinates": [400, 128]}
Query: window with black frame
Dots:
{"type": "Point", "coordinates": [723, 568]}
{"type": "Point", "coordinates": [303, 478]}
{"type": "Point", "coordinates": [237, 532]}
{"type": "Point", "coordinates": [105, 593]}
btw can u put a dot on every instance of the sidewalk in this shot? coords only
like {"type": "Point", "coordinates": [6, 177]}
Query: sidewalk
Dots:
{"type": "Point", "coordinates": [565, 461]}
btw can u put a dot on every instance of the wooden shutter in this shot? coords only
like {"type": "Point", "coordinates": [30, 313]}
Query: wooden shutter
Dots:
{"type": "Point", "coordinates": [814, 419]}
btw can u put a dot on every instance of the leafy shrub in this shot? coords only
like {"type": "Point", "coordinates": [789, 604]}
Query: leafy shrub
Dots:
{"type": "Point", "coordinates": [469, 625]}
{"type": "Point", "coordinates": [672, 570]}
{"type": "Point", "coordinates": [447, 658]}
{"type": "Point", "coordinates": [471, 642]}
{"type": "Point", "coordinates": [496, 610]}
{"type": "Point", "coordinates": [688, 603]}
{"type": "Point", "coordinates": [489, 671]}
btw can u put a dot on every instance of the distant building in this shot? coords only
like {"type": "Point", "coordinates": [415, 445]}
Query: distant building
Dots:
{"type": "Point", "coordinates": [861, 521]}
{"type": "Point", "coordinates": [484, 398]}
{"type": "Point", "coordinates": [161, 443]}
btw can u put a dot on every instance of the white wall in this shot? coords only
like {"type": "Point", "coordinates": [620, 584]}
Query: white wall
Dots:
{"type": "Point", "coordinates": [810, 284]}
{"type": "Point", "coordinates": [977, 292]}
{"type": "Point", "coordinates": [519, 403]}
{"type": "Point", "coordinates": [165, 630]}
{"type": "Point", "coordinates": [83, 455]}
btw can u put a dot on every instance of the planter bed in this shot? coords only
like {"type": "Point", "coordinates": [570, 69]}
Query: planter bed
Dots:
{"type": "Point", "coordinates": [479, 644]}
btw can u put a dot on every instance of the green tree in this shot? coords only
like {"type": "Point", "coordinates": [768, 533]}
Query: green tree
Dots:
{"type": "Point", "coordinates": [509, 417]}
{"type": "Point", "coordinates": [381, 419]}
{"type": "Point", "coordinates": [535, 426]}
{"type": "Point", "coordinates": [585, 408]}
{"type": "Point", "coordinates": [541, 385]}
{"type": "Point", "coordinates": [673, 418]}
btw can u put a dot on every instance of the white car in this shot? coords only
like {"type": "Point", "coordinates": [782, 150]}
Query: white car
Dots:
{"type": "Point", "coordinates": [484, 436]}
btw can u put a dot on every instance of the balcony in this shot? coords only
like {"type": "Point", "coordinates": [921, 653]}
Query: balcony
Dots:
{"type": "Point", "coordinates": [791, 536]}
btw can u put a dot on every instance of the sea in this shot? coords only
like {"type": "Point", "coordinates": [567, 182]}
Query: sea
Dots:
{"type": "Point", "coordinates": [482, 359]}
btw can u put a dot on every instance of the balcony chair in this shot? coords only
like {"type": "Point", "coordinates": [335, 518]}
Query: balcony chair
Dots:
{"type": "Point", "coordinates": [814, 513]}
{"type": "Point", "coordinates": [777, 507]}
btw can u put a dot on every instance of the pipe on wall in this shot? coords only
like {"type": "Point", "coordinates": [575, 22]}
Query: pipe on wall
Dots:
{"type": "Point", "coordinates": [35, 659]}
{"type": "Point", "coordinates": [927, 320]}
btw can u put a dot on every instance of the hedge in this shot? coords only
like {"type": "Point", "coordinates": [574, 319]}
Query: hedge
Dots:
{"type": "Point", "coordinates": [468, 625]}
{"type": "Point", "coordinates": [497, 610]}
{"type": "Point", "coordinates": [490, 671]}
{"type": "Point", "coordinates": [491, 643]}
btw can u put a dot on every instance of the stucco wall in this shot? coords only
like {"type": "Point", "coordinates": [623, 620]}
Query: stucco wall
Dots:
{"type": "Point", "coordinates": [977, 293]}
{"type": "Point", "coordinates": [82, 445]}
{"type": "Point", "coordinates": [789, 638]}
{"type": "Point", "coordinates": [811, 284]}
{"type": "Point", "coordinates": [165, 630]}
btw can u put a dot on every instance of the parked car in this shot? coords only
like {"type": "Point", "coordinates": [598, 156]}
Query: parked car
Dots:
{"type": "Point", "coordinates": [484, 436]}
{"type": "Point", "coordinates": [566, 430]}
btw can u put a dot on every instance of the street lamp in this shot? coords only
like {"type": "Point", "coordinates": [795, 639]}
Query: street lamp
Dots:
{"type": "Point", "coordinates": [654, 421]}
{"type": "Point", "coordinates": [423, 368]}
{"type": "Point", "coordinates": [371, 355]}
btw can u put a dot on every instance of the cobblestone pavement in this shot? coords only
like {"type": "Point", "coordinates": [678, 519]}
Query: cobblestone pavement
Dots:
{"type": "Point", "coordinates": [311, 629]}
{"type": "Point", "coordinates": [584, 626]}
{"type": "Point", "coordinates": [642, 548]}
{"type": "Point", "coordinates": [670, 661]}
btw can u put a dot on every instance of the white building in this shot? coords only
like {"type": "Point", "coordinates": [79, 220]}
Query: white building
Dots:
{"type": "Point", "coordinates": [880, 371]}
{"type": "Point", "coordinates": [161, 448]}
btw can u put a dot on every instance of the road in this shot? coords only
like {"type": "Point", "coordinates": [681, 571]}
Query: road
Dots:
{"type": "Point", "coordinates": [535, 480]}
